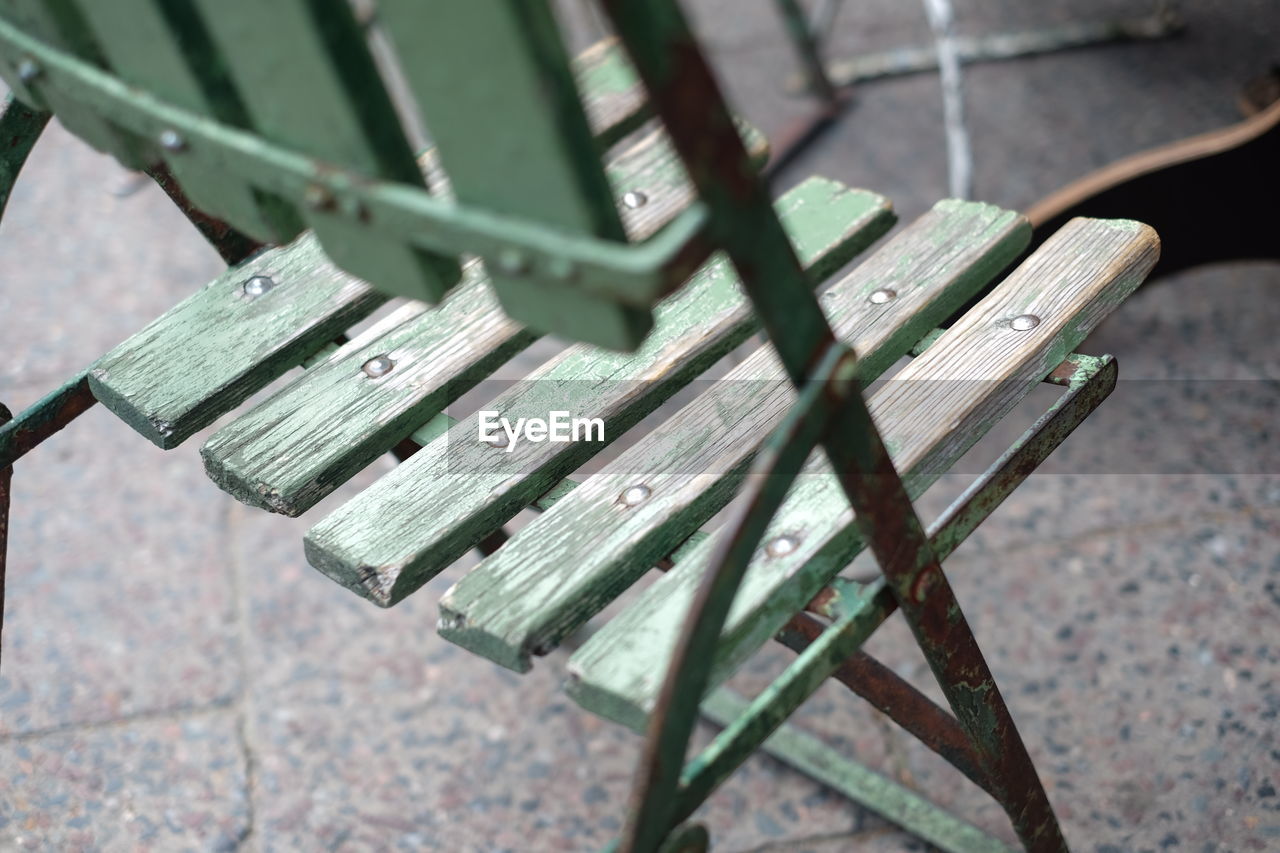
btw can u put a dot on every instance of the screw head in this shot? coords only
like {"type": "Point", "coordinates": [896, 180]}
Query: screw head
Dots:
{"type": "Point", "coordinates": [782, 546]}
{"type": "Point", "coordinates": [318, 197]}
{"type": "Point", "coordinates": [1024, 322]}
{"type": "Point", "coordinates": [171, 140]}
{"type": "Point", "coordinates": [257, 285]}
{"type": "Point", "coordinates": [635, 495]}
{"type": "Point", "coordinates": [379, 365]}
{"type": "Point", "coordinates": [881, 296]}
{"type": "Point", "coordinates": [634, 199]}
{"type": "Point", "coordinates": [498, 440]}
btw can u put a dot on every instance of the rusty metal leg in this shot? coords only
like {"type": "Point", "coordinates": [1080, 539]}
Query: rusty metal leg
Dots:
{"type": "Point", "coordinates": [232, 245]}
{"type": "Point", "coordinates": [918, 584]}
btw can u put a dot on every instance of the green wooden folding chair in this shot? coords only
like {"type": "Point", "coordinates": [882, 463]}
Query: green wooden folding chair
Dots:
{"type": "Point", "coordinates": [551, 206]}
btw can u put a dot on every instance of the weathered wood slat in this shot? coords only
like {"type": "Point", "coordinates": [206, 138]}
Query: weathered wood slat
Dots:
{"type": "Point", "coordinates": [418, 519]}
{"type": "Point", "coordinates": [310, 437]}
{"type": "Point", "coordinates": [318, 90]}
{"type": "Point", "coordinates": [612, 96]}
{"type": "Point", "coordinates": [929, 414]}
{"type": "Point", "coordinates": [577, 557]}
{"type": "Point", "coordinates": [207, 354]}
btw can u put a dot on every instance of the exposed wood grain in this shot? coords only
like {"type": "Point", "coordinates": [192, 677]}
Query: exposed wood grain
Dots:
{"type": "Point", "coordinates": [418, 519]}
{"type": "Point", "coordinates": [219, 345]}
{"type": "Point", "coordinates": [611, 93]}
{"type": "Point", "coordinates": [929, 414]}
{"type": "Point", "coordinates": [293, 449]}
{"type": "Point", "coordinates": [577, 557]}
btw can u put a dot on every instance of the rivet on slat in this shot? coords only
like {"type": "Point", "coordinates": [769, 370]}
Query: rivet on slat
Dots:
{"type": "Point", "coordinates": [1024, 322]}
{"type": "Point", "coordinates": [257, 285]}
{"type": "Point", "coordinates": [881, 296]}
{"type": "Point", "coordinates": [634, 199]}
{"type": "Point", "coordinates": [635, 495]}
{"type": "Point", "coordinates": [379, 365]}
{"type": "Point", "coordinates": [171, 140]}
{"type": "Point", "coordinates": [28, 70]}
{"type": "Point", "coordinates": [782, 546]}
{"type": "Point", "coordinates": [319, 197]}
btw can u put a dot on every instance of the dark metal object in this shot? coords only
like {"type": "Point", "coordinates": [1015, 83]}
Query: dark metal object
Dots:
{"type": "Point", "coordinates": [231, 245]}
{"type": "Point", "coordinates": [891, 695]}
{"type": "Point", "coordinates": [45, 417]}
{"type": "Point", "coordinates": [1232, 171]}
{"type": "Point", "coordinates": [20, 127]}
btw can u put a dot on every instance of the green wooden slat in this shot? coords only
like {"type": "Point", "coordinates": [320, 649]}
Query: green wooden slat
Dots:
{"type": "Point", "coordinates": [567, 565]}
{"type": "Point", "coordinates": [60, 24]}
{"type": "Point", "coordinates": [292, 450]}
{"type": "Point", "coordinates": [418, 519]}
{"type": "Point", "coordinates": [936, 408]}
{"type": "Point", "coordinates": [163, 48]}
{"type": "Point", "coordinates": [526, 85]}
{"type": "Point", "coordinates": [308, 80]}
{"type": "Point", "coordinates": [612, 96]}
{"type": "Point", "coordinates": [218, 346]}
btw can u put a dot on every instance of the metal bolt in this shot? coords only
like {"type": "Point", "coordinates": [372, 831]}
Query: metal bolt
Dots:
{"type": "Point", "coordinates": [635, 495]}
{"type": "Point", "coordinates": [318, 197]}
{"type": "Point", "coordinates": [28, 70]}
{"type": "Point", "coordinates": [634, 199]}
{"type": "Point", "coordinates": [1024, 322]}
{"type": "Point", "coordinates": [379, 365]}
{"type": "Point", "coordinates": [257, 285]}
{"type": "Point", "coordinates": [881, 296]}
{"type": "Point", "coordinates": [498, 440]}
{"type": "Point", "coordinates": [171, 140]}
{"type": "Point", "coordinates": [782, 546]}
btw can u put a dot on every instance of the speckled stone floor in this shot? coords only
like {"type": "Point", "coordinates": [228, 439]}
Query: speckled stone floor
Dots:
{"type": "Point", "coordinates": [177, 678]}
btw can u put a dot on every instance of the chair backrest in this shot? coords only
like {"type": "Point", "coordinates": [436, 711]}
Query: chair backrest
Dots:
{"type": "Point", "coordinates": [276, 116]}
